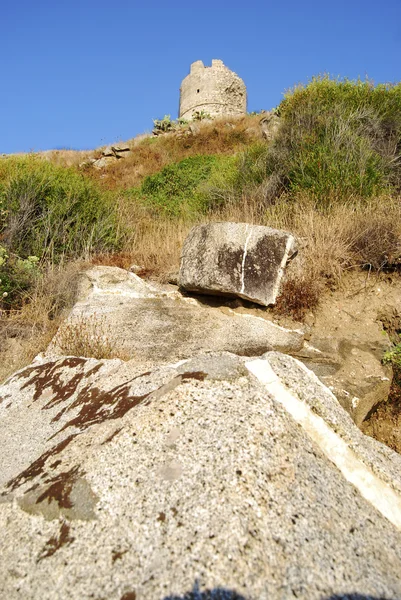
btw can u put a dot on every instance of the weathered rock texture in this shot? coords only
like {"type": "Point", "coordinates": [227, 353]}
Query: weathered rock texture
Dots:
{"type": "Point", "coordinates": [156, 324]}
{"type": "Point", "coordinates": [270, 124]}
{"type": "Point", "coordinates": [215, 90]}
{"type": "Point", "coordinates": [111, 154]}
{"type": "Point", "coordinates": [218, 473]}
{"type": "Point", "coordinates": [236, 259]}
{"type": "Point", "coordinates": [346, 345]}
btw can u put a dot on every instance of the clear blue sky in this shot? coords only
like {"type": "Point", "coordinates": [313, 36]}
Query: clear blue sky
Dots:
{"type": "Point", "coordinates": [84, 73]}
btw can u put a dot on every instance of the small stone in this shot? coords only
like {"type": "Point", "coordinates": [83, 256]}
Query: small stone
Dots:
{"type": "Point", "coordinates": [270, 125]}
{"type": "Point", "coordinates": [137, 269]}
{"type": "Point", "coordinates": [108, 151]}
{"type": "Point", "coordinates": [173, 278]}
{"type": "Point", "coordinates": [121, 148]}
{"type": "Point", "coordinates": [194, 128]}
{"type": "Point", "coordinates": [105, 161]}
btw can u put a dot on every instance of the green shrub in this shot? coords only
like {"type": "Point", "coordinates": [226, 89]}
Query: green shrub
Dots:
{"type": "Point", "coordinates": [51, 211]}
{"type": "Point", "coordinates": [165, 124]}
{"type": "Point", "coordinates": [393, 356]}
{"type": "Point", "coordinates": [16, 277]}
{"type": "Point", "coordinates": [337, 140]}
{"type": "Point", "coordinates": [178, 189]}
{"type": "Point", "coordinates": [200, 115]}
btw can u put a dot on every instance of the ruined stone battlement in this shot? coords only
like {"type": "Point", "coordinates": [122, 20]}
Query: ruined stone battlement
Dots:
{"type": "Point", "coordinates": [215, 90]}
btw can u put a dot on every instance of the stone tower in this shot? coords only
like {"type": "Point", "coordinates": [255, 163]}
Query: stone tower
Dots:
{"type": "Point", "coordinates": [215, 90]}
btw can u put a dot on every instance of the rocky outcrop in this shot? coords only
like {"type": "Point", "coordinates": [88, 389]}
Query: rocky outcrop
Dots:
{"type": "Point", "coordinates": [346, 345]}
{"type": "Point", "coordinates": [270, 124]}
{"type": "Point", "coordinates": [111, 154]}
{"type": "Point", "coordinates": [217, 473]}
{"type": "Point", "coordinates": [236, 259]}
{"type": "Point", "coordinates": [156, 323]}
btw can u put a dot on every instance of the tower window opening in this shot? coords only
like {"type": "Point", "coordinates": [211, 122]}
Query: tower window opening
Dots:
{"type": "Point", "coordinates": [197, 91]}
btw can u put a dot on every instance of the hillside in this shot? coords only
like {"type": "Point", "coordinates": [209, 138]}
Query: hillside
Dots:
{"type": "Point", "coordinates": [324, 165]}
{"type": "Point", "coordinates": [200, 358]}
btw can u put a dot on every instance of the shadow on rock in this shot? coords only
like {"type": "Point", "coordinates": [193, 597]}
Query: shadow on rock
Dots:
{"type": "Point", "coordinates": [224, 594]}
{"type": "Point", "coordinates": [214, 594]}
{"type": "Point", "coordinates": [355, 597]}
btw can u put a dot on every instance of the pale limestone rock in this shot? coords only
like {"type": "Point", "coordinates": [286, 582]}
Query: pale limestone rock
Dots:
{"type": "Point", "coordinates": [121, 148]}
{"type": "Point", "coordinates": [346, 348]}
{"type": "Point", "coordinates": [270, 124]}
{"type": "Point", "coordinates": [136, 269]}
{"type": "Point", "coordinates": [108, 151]}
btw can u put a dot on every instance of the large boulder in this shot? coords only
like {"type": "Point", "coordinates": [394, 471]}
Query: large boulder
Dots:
{"type": "Point", "coordinates": [154, 323]}
{"type": "Point", "coordinates": [239, 476]}
{"type": "Point", "coordinates": [236, 259]}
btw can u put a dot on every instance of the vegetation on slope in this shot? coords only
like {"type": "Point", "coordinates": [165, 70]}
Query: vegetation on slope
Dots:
{"type": "Point", "coordinates": [331, 175]}
{"type": "Point", "coordinates": [338, 140]}
{"type": "Point", "coordinates": [180, 189]}
{"type": "Point", "coordinates": [48, 213]}
{"type": "Point", "coordinates": [149, 156]}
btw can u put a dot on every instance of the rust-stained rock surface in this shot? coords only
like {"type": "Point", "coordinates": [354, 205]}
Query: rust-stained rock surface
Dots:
{"type": "Point", "coordinates": [218, 472]}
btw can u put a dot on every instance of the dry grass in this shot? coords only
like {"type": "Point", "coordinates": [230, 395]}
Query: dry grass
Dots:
{"type": "Point", "coordinates": [67, 158]}
{"type": "Point", "coordinates": [154, 242]}
{"type": "Point", "coordinates": [155, 246]}
{"type": "Point", "coordinates": [358, 234]}
{"type": "Point", "coordinates": [27, 332]}
{"type": "Point", "coordinates": [220, 136]}
{"type": "Point", "coordinates": [90, 337]}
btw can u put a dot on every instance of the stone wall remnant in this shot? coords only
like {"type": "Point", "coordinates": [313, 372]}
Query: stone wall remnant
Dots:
{"type": "Point", "coordinates": [215, 90]}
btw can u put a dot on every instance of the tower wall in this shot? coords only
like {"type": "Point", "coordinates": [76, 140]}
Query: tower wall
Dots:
{"type": "Point", "coordinates": [215, 90]}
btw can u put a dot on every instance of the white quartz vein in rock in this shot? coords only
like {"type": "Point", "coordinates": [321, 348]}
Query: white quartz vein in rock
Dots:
{"type": "Point", "coordinates": [284, 260]}
{"type": "Point", "coordinates": [244, 259]}
{"type": "Point", "coordinates": [386, 500]}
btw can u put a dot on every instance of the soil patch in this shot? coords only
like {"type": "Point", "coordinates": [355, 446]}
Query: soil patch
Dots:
{"type": "Point", "coordinates": [384, 422]}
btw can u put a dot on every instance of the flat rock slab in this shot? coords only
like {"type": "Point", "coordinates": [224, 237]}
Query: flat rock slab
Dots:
{"type": "Point", "coordinates": [156, 323]}
{"type": "Point", "coordinates": [236, 259]}
{"type": "Point", "coordinates": [241, 477]}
